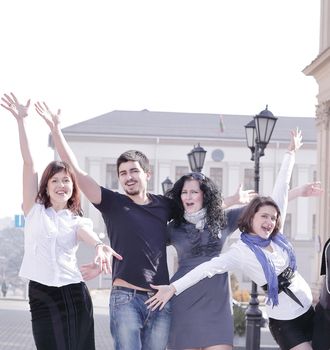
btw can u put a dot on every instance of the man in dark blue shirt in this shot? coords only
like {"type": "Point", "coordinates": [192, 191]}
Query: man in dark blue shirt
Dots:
{"type": "Point", "coordinates": [136, 225]}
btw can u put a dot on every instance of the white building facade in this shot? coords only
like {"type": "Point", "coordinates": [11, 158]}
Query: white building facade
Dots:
{"type": "Point", "coordinates": [167, 137]}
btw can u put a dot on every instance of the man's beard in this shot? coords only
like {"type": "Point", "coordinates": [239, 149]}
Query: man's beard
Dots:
{"type": "Point", "coordinates": [131, 192]}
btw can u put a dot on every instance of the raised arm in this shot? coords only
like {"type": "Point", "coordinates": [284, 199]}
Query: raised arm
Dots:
{"type": "Point", "coordinates": [239, 197]}
{"type": "Point", "coordinates": [87, 184]}
{"type": "Point", "coordinates": [282, 183]}
{"type": "Point", "coordinates": [30, 177]}
{"type": "Point", "coordinates": [310, 189]}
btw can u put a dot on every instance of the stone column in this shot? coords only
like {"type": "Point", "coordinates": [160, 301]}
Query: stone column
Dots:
{"type": "Point", "coordinates": [319, 68]}
{"type": "Point", "coordinates": [323, 154]}
{"type": "Point", "coordinates": [325, 25]}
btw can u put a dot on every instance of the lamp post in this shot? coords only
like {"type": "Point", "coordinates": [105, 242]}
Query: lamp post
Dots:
{"type": "Point", "coordinates": [167, 184]}
{"type": "Point", "coordinates": [196, 158]}
{"type": "Point", "coordinates": [258, 133]}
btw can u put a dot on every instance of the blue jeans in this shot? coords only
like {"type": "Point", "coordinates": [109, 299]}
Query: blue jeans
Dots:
{"type": "Point", "coordinates": [133, 326]}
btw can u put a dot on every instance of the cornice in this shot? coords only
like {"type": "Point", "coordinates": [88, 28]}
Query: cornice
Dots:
{"type": "Point", "coordinates": [320, 62]}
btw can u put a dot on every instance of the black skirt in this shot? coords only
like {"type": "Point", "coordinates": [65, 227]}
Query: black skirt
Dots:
{"type": "Point", "coordinates": [62, 317]}
{"type": "Point", "coordinates": [321, 334]}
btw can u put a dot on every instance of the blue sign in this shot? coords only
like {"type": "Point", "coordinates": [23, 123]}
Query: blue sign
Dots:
{"type": "Point", "coordinates": [19, 221]}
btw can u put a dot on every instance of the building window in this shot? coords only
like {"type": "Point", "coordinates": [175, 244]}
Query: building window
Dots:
{"type": "Point", "coordinates": [248, 179]}
{"type": "Point", "coordinates": [111, 177]}
{"type": "Point", "coordinates": [151, 181]}
{"type": "Point", "coordinates": [287, 227]}
{"type": "Point", "coordinates": [180, 171]}
{"type": "Point", "coordinates": [216, 175]}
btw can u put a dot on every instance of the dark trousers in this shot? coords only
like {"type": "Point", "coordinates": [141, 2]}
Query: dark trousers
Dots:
{"type": "Point", "coordinates": [62, 317]}
{"type": "Point", "coordinates": [321, 334]}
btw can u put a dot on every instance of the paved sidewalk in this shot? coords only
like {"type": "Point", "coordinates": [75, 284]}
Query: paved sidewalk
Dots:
{"type": "Point", "coordinates": [15, 323]}
{"type": "Point", "coordinates": [16, 334]}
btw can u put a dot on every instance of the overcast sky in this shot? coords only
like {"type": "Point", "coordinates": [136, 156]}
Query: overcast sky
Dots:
{"type": "Point", "coordinates": [92, 57]}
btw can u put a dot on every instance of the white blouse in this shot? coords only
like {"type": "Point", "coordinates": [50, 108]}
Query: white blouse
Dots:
{"type": "Point", "coordinates": [50, 246]}
{"type": "Point", "coordinates": [240, 257]}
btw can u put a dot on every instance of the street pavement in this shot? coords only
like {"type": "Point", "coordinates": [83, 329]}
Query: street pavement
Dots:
{"type": "Point", "coordinates": [15, 323]}
{"type": "Point", "coordinates": [16, 333]}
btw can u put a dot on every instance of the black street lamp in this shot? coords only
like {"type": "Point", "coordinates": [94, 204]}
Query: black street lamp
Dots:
{"type": "Point", "coordinates": [258, 133]}
{"type": "Point", "coordinates": [196, 158]}
{"type": "Point", "coordinates": [250, 134]}
{"type": "Point", "coordinates": [167, 184]}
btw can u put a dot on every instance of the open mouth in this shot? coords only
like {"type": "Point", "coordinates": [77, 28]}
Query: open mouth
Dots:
{"type": "Point", "coordinates": [267, 230]}
{"type": "Point", "coordinates": [61, 193]}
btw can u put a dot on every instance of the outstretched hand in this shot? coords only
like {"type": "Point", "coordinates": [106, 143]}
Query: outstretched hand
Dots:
{"type": "Point", "coordinates": [164, 294]}
{"type": "Point", "coordinates": [11, 103]}
{"type": "Point", "coordinates": [103, 257]}
{"type": "Point", "coordinates": [296, 140]}
{"type": "Point", "coordinates": [244, 196]}
{"type": "Point", "coordinates": [311, 189]}
{"type": "Point", "coordinates": [90, 271]}
{"type": "Point", "coordinates": [239, 197]}
{"type": "Point", "coordinates": [51, 119]}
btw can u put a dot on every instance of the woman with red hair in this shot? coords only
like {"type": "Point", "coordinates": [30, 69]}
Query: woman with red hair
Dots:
{"type": "Point", "coordinates": [60, 303]}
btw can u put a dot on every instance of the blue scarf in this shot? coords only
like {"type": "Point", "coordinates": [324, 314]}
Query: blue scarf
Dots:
{"type": "Point", "coordinates": [255, 243]}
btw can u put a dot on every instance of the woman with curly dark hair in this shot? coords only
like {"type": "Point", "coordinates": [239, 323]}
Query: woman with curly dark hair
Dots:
{"type": "Point", "coordinates": [201, 315]}
{"type": "Point", "coordinates": [212, 201]}
{"type": "Point", "coordinates": [198, 232]}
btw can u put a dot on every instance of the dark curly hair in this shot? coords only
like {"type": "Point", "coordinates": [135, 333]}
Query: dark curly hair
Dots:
{"type": "Point", "coordinates": [212, 202]}
{"type": "Point", "coordinates": [53, 168]}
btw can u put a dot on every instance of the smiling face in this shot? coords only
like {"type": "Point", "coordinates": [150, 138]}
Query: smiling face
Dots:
{"type": "Point", "coordinates": [133, 178]}
{"type": "Point", "coordinates": [192, 196]}
{"type": "Point", "coordinates": [59, 188]}
{"type": "Point", "coordinates": [264, 221]}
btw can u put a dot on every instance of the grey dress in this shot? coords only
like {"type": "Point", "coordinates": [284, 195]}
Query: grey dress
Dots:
{"type": "Point", "coordinates": [202, 314]}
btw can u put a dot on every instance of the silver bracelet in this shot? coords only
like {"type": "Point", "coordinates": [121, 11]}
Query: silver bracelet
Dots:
{"type": "Point", "coordinates": [98, 243]}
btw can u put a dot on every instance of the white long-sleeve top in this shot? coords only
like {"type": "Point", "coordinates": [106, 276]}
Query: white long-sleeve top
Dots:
{"type": "Point", "coordinates": [240, 257]}
{"type": "Point", "coordinates": [50, 245]}
{"type": "Point", "coordinates": [282, 183]}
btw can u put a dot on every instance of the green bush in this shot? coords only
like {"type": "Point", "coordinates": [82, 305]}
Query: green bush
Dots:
{"type": "Point", "coordinates": [239, 319]}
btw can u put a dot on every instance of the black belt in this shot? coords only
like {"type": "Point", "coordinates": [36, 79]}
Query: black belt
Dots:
{"type": "Point", "coordinates": [284, 281]}
{"type": "Point", "coordinates": [148, 293]}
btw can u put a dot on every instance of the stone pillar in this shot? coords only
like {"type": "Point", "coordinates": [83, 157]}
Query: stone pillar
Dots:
{"type": "Point", "coordinates": [320, 70]}
{"type": "Point", "coordinates": [323, 153]}
{"type": "Point", "coordinates": [325, 25]}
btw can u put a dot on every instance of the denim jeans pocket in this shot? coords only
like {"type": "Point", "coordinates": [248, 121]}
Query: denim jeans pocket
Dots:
{"type": "Point", "coordinates": [120, 298]}
{"type": "Point", "coordinates": [168, 307]}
